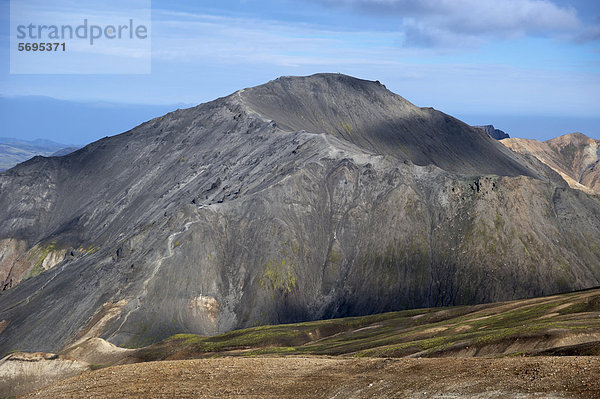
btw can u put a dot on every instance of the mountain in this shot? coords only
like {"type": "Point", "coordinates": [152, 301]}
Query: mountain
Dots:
{"type": "Point", "coordinates": [493, 132]}
{"type": "Point", "coordinates": [14, 151]}
{"type": "Point", "coordinates": [574, 156]}
{"type": "Point", "coordinates": [301, 199]}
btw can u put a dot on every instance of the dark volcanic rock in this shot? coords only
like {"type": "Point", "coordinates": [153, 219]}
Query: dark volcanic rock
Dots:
{"type": "Point", "coordinates": [368, 115]}
{"type": "Point", "coordinates": [304, 198]}
{"type": "Point", "coordinates": [494, 133]}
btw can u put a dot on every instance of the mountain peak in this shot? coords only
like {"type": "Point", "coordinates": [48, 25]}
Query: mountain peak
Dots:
{"type": "Point", "coordinates": [329, 78]}
{"type": "Point", "coordinates": [368, 115]}
{"type": "Point", "coordinates": [575, 138]}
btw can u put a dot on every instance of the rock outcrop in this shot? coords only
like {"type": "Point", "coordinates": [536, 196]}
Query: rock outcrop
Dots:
{"type": "Point", "coordinates": [494, 133]}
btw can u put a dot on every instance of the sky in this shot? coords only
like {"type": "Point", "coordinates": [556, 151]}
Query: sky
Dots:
{"type": "Point", "coordinates": [530, 67]}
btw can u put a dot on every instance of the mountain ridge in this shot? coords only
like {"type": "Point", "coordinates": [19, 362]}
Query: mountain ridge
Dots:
{"type": "Point", "coordinates": [393, 125]}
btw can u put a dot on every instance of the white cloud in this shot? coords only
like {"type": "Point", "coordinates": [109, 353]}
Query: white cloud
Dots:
{"type": "Point", "coordinates": [297, 48]}
{"type": "Point", "coordinates": [439, 22]}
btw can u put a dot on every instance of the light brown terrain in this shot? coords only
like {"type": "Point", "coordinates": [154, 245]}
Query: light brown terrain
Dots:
{"type": "Point", "coordinates": [24, 372]}
{"type": "Point", "coordinates": [574, 156]}
{"type": "Point", "coordinates": [540, 347]}
{"type": "Point", "coordinates": [317, 377]}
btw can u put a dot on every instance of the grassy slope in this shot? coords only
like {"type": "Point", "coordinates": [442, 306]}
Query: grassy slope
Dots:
{"type": "Point", "coordinates": [533, 326]}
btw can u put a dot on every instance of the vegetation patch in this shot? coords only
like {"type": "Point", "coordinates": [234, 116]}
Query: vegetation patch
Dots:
{"type": "Point", "coordinates": [428, 332]}
{"type": "Point", "coordinates": [41, 254]}
{"type": "Point", "coordinates": [279, 275]}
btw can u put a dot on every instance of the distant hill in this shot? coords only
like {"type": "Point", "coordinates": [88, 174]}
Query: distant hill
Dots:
{"type": "Point", "coordinates": [64, 151]}
{"type": "Point", "coordinates": [74, 122]}
{"type": "Point", "coordinates": [575, 156]}
{"type": "Point", "coordinates": [14, 151]}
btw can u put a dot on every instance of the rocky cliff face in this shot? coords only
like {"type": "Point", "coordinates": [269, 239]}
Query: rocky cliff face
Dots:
{"type": "Point", "coordinates": [494, 133]}
{"type": "Point", "coordinates": [574, 156]}
{"type": "Point", "coordinates": [301, 199]}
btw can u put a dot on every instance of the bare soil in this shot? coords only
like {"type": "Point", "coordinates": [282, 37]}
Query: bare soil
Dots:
{"type": "Point", "coordinates": [325, 377]}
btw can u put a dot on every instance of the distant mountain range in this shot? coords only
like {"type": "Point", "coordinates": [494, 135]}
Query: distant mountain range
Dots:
{"type": "Point", "coordinates": [76, 122]}
{"type": "Point", "coordinates": [14, 151]}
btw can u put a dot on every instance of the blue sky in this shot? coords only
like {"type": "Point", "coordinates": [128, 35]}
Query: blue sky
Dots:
{"type": "Point", "coordinates": [531, 67]}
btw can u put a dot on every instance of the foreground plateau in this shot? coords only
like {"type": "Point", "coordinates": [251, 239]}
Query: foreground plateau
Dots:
{"type": "Point", "coordinates": [548, 345]}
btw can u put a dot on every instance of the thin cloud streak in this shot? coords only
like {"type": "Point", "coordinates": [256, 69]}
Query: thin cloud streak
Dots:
{"type": "Point", "coordinates": [234, 40]}
{"type": "Point", "coordinates": [220, 40]}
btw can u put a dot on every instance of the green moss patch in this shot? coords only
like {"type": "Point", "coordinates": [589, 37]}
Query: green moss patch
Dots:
{"type": "Point", "coordinates": [429, 332]}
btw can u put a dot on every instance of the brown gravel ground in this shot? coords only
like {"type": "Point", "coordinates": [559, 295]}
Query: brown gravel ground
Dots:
{"type": "Point", "coordinates": [325, 377]}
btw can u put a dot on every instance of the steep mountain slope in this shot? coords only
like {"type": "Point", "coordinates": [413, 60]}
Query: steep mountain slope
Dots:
{"type": "Point", "coordinates": [574, 156]}
{"type": "Point", "coordinates": [244, 211]}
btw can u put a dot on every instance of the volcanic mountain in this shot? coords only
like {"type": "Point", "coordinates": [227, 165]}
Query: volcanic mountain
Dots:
{"type": "Point", "coordinates": [304, 198]}
{"type": "Point", "coordinates": [574, 156]}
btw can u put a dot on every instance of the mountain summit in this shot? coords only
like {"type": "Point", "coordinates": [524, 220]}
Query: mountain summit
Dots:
{"type": "Point", "coordinates": [304, 198]}
{"type": "Point", "coordinates": [374, 119]}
